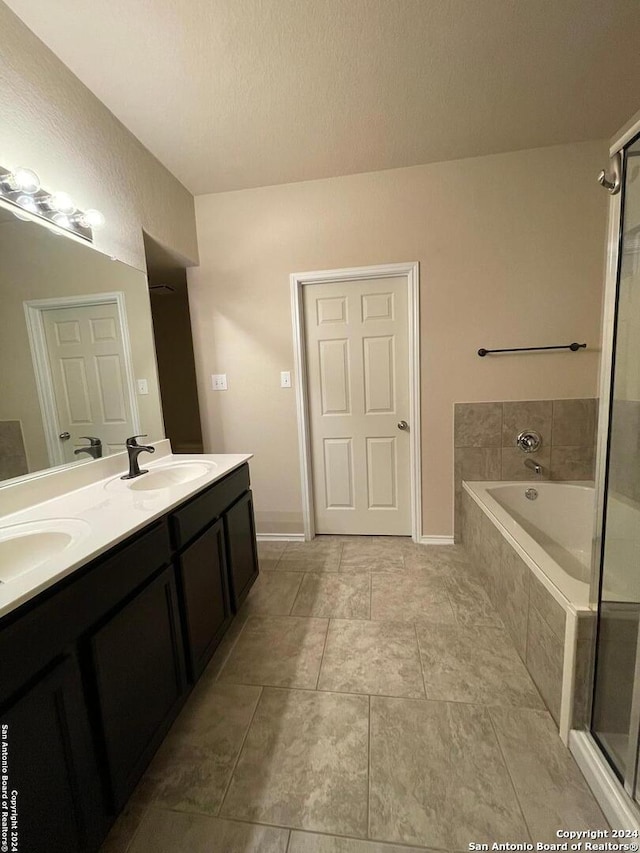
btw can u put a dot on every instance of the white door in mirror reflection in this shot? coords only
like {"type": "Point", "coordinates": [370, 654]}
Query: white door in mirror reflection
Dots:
{"type": "Point", "coordinates": [89, 376]}
{"type": "Point", "coordinates": [356, 336]}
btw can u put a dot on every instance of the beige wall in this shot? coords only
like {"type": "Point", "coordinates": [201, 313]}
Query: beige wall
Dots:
{"type": "Point", "coordinates": [53, 124]}
{"type": "Point", "coordinates": [511, 253]}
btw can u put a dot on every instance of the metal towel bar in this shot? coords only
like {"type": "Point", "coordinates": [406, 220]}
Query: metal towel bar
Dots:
{"type": "Point", "coordinates": [574, 347]}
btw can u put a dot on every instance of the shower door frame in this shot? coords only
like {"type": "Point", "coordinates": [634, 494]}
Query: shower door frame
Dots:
{"type": "Point", "coordinates": [584, 745]}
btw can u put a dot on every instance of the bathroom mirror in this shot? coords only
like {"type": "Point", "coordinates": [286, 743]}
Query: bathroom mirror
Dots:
{"type": "Point", "coordinates": [77, 354]}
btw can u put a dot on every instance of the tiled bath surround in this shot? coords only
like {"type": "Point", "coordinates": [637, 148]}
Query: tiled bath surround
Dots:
{"type": "Point", "coordinates": [557, 655]}
{"type": "Point", "coordinates": [485, 441]}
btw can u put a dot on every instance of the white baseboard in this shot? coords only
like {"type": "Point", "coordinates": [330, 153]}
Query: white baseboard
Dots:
{"type": "Point", "coordinates": [436, 540]}
{"type": "Point", "coordinates": [280, 537]}
{"type": "Point", "coordinates": [299, 537]}
{"type": "Point", "coordinates": [619, 809]}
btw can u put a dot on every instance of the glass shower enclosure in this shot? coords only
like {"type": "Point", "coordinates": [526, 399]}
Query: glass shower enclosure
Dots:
{"type": "Point", "coordinates": [615, 721]}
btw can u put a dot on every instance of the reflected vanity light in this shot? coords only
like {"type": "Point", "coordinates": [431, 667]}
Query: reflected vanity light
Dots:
{"type": "Point", "coordinates": [21, 191]}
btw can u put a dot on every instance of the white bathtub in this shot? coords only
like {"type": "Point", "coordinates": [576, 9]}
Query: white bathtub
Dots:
{"type": "Point", "coordinates": [552, 533]}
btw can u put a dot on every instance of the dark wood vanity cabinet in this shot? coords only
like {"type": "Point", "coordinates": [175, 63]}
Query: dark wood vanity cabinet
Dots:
{"type": "Point", "coordinates": [204, 583]}
{"type": "Point", "coordinates": [52, 766]}
{"type": "Point", "coordinates": [94, 670]}
{"type": "Point", "coordinates": [137, 662]}
{"type": "Point", "coordinates": [241, 547]}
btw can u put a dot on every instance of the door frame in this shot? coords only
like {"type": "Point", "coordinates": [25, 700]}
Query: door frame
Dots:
{"type": "Point", "coordinates": [411, 272]}
{"type": "Point", "coordinates": [34, 310]}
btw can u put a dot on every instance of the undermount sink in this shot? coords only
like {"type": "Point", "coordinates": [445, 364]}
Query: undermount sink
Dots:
{"type": "Point", "coordinates": [166, 476]}
{"type": "Point", "coordinates": [24, 547]}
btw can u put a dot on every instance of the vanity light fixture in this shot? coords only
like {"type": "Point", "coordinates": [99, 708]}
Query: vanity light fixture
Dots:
{"type": "Point", "coordinates": [91, 218]}
{"type": "Point", "coordinates": [28, 203]}
{"type": "Point", "coordinates": [21, 189]}
{"type": "Point", "coordinates": [20, 181]}
{"type": "Point", "coordinates": [60, 203]}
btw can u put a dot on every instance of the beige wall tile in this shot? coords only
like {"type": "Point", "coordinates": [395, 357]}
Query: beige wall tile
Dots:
{"type": "Point", "coordinates": [526, 415]}
{"type": "Point", "coordinates": [583, 674]}
{"type": "Point", "coordinates": [574, 422]}
{"type": "Point", "coordinates": [511, 595]}
{"type": "Point", "coordinates": [572, 463]}
{"type": "Point", "coordinates": [471, 526]}
{"type": "Point", "coordinates": [478, 463]}
{"type": "Point", "coordinates": [477, 424]}
{"type": "Point", "coordinates": [546, 605]}
{"type": "Point", "coordinates": [545, 654]}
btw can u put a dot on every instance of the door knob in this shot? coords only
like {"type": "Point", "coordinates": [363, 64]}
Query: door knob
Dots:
{"type": "Point", "coordinates": [403, 425]}
{"type": "Point", "coordinates": [64, 436]}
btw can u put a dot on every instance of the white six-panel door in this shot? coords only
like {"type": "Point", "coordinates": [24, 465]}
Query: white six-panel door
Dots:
{"type": "Point", "coordinates": [89, 377]}
{"type": "Point", "coordinates": [356, 341]}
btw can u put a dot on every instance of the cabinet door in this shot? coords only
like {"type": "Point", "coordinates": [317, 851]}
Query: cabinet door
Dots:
{"type": "Point", "coordinates": [138, 664]}
{"type": "Point", "coordinates": [242, 552]}
{"type": "Point", "coordinates": [205, 595]}
{"type": "Point", "coordinates": [48, 757]}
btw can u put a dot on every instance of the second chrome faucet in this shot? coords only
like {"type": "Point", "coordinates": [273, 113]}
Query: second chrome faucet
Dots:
{"type": "Point", "coordinates": [134, 450]}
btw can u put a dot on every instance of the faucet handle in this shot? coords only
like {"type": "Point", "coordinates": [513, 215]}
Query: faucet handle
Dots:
{"type": "Point", "coordinates": [93, 441]}
{"type": "Point", "coordinates": [131, 441]}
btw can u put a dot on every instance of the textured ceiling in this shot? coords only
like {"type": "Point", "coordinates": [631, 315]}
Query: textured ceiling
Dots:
{"type": "Point", "coordinates": [242, 93]}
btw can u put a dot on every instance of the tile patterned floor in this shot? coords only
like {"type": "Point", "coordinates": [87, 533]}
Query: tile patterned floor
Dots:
{"type": "Point", "coordinates": [367, 699]}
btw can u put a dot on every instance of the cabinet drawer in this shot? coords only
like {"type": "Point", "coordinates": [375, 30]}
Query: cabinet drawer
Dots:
{"type": "Point", "coordinates": [46, 626]}
{"type": "Point", "coordinates": [188, 521]}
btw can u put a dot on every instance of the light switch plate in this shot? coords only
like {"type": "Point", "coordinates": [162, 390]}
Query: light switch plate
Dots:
{"type": "Point", "coordinates": [219, 381]}
{"type": "Point", "coordinates": [285, 379]}
{"type": "Point", "coordinates": [143, 386]}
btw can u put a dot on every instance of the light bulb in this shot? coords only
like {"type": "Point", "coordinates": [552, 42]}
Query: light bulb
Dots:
{"type": "Point", "coordinates": [29, 203]}
{"type": "Point", "coordinates": [61, 202]}
{"type": "Point", "coordinates": [22, 181]}
{"type": "Point", "coordinates": [62, 220]}
{"type": "Point", "coordinates": [90, 219]}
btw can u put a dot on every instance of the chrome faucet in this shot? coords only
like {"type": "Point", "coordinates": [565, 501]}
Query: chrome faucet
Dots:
{"type": "Point", "coordinates": [529, 463]}
{"type": "Point", "coordinates": [134, 450]}
{"type": "Point", "coordinates": [94, 448]}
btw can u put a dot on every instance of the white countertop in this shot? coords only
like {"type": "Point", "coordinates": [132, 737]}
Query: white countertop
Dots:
{"type": "Point", "coordinates": [111, 512]}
